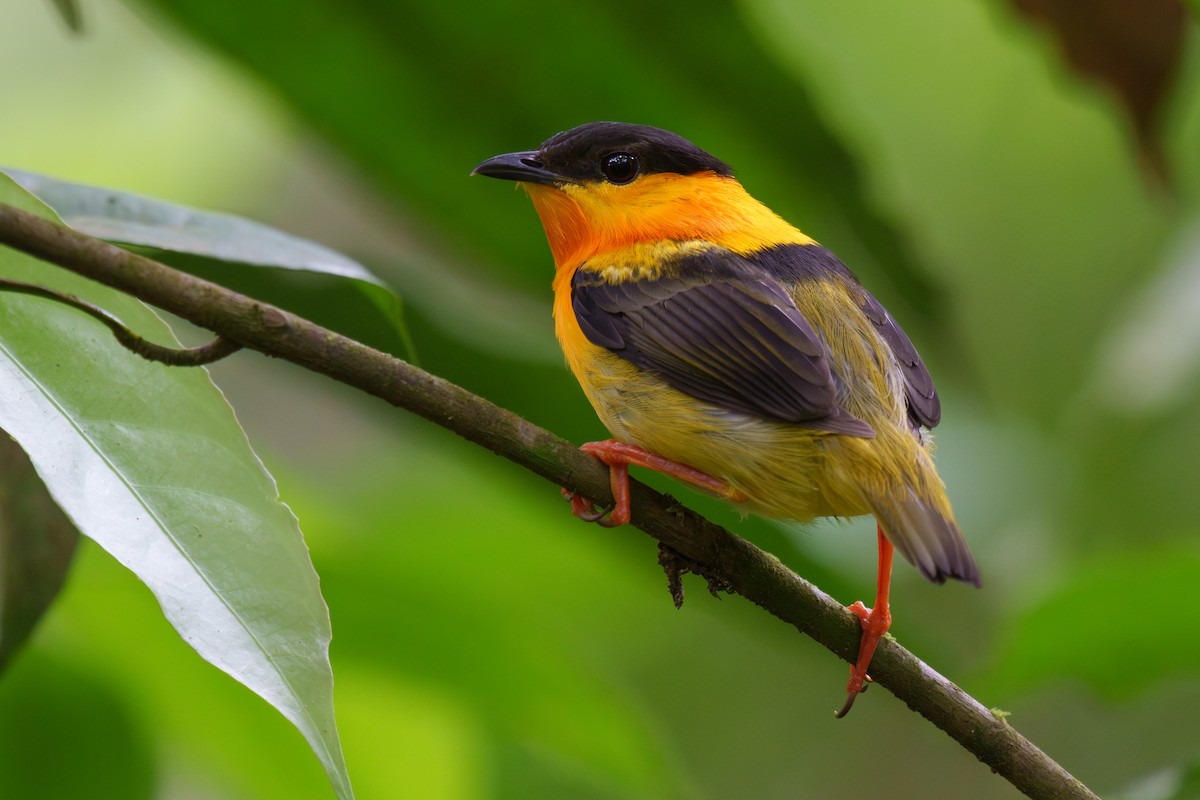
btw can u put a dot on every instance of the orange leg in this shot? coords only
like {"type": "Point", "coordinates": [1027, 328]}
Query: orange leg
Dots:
{"type": "Point", "coordinates": [875, 623]}
{"type": "Point", "coordinates": [618, 456]}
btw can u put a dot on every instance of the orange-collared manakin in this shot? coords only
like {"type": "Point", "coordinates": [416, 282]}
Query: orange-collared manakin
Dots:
{"type": "Point", "coordinates": [722, 346]}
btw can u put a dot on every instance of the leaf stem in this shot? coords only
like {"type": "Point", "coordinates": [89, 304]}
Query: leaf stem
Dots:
{"type": "Point", "coordinates": [197, 356]}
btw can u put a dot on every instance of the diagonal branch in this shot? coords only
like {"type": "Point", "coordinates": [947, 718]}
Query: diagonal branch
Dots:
{"type": "Point", "coordinates": [710, 549]}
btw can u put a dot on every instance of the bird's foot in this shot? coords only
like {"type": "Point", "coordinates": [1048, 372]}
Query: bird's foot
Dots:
{"type": "Point", "coordinates": [618, 456]}
{"type": "Point", "coordinates": [588, 511]}
{"type": "Point", "coordinates": [875, 623]}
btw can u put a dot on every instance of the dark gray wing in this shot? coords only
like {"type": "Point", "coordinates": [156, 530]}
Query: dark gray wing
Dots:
{"type": "Point", "coordinates": [924, 408]}
{"type": "Point", "coordinates": [806, 262]}
{"type": "Point", "coordinates": [730, 337]}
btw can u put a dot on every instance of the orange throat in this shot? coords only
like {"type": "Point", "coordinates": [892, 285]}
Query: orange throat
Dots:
{"type": "Point", "coordinates": [567, 230]}
{"type": "Point", "coordinates": [582, 220]}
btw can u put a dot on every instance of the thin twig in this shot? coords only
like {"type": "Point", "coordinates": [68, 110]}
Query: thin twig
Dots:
{"type": "Point", "coordinates": [197, 356]}
{"type": "Point", "coordinates": [713, 551]}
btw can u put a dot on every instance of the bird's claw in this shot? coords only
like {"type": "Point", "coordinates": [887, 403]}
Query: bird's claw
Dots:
{"type": "Point", "coordinates": [874, 626]}
{"type": "Point", "coordinates": [587, 511]}
{"type": "Point", "coordinates": [861, 611]}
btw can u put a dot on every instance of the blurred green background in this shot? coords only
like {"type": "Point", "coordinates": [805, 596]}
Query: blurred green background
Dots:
{"type": "Point", "coordinates": [486, 645]}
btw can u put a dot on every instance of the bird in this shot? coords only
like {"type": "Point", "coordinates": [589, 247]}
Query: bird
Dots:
{"type": "Point", "coordinates": [722, 346]}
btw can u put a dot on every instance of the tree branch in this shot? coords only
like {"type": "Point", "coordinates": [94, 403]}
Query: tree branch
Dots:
{"type": "Point", "coordinates": [718, 554]}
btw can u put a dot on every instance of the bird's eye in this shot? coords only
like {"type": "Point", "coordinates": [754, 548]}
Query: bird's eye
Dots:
{"type": "Point", "coordinates": [619, 167]}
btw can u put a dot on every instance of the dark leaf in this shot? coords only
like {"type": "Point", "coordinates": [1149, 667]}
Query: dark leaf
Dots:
{"type": "Point", "coordinates": [37, 542]}
{"type": "Point", "coordinates": [418, 93]}
{"type": "Point", "coordinates": [1132, 49]}
{"type": "Point", "coordinates": [70, 13]}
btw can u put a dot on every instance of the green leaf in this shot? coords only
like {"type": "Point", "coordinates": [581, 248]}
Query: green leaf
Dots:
{"type": "Point", "coordinates": [1133, 51]}
{"type": "Point", "coordinates": [54, 712]}
{"type": "Point", "coordinates": [150, 463]}
{"type": "Point", "coordinates": [1116, 623]}
{"type": "Point", "coordinates": [36, 545]}
{"type": "Point", "coordinates": [543, 687]}
{"type": "Point", "coordinates": [417, 100]}
{"type": "Point", "coordinates": [69, 11]}
{"type": "Point", "coordinates": [1178, 782]}
{"type": "Point", "coordinates": [247, 256]}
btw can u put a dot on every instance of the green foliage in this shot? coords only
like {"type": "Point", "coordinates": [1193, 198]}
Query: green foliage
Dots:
{"type": "Point", "coordinates": [1117, 624]}
{"type": "Point", "coordinates": [150, 463]}
{"type": "Point", "coordinates": [515, 79]}
{"type": "Point", "coordinates": [514, 673]}
{"type": "Point", "coordinates": [37, 542]}
{"type": "Point", "coordinates": [248, 257]}
{"type": "Point", "coordinates": [69, 10]}
{"type": "Point", "coordinates": [54, 712]}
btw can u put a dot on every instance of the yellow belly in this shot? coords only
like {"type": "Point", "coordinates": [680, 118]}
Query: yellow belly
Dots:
{"type": "Point", "coordinates": [786, 471]}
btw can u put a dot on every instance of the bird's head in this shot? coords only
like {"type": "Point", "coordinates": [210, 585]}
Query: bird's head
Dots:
{"type": "Point", "coordinates": [608, 184]}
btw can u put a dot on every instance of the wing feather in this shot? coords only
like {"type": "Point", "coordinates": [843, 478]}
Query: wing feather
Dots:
{"type": "Point", "coordinates": [924, 407]}
{"type": "Point", "coordinates": [793, 262]}
{"type": "Point", "coordinates": [725, 334]}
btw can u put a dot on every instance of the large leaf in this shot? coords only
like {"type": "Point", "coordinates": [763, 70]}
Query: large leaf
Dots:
{"type": "Point", "coordinates": [418, 93]}
{"type": "Point", "coordinates": [255, 259]}
{"type": "Point", "coordinates": [71, 16]}
{"type": "Point", "coordinates": [1117, 623]}
{"type": "Point", "coordinates": [54, 712]}
{"type": "Point", "coordinates": [1177, 782]}
{"type": "Point", "coordinates": [36, 545]}
{"type": "Point", "coordinates": [1133, 50]}
{"type": "Point", "coordinates": [535, 667]}
{"type": "Point", "coordinates": [150, 463]}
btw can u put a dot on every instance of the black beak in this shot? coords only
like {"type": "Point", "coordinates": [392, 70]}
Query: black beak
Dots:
{"type": "Point", "coordinates": [525, 167]}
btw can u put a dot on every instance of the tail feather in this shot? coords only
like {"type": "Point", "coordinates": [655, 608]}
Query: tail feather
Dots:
{"type": "Point", "coordinates": [927, 538]}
